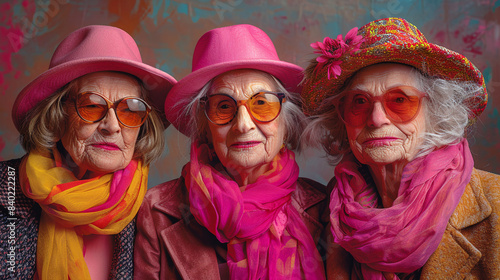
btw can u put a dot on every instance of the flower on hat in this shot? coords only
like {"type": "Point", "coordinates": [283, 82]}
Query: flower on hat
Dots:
{"type": "Point", "coordinates": [332, 49]}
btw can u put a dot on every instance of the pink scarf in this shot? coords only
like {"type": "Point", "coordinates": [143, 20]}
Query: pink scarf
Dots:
{"type": "Point", "coordinates": [401, 238]}
{"type": "Point", "coordinates": [266, 236]}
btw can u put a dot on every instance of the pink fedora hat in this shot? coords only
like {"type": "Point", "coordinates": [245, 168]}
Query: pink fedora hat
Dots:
{"type": "Point", "coordinates": [228, 48]}
{"type": "Point", "coordinates": [92, 49]}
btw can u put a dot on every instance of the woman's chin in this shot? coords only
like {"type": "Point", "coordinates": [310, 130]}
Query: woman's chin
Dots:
{"type": "Point", "coordinates": [381, 157]}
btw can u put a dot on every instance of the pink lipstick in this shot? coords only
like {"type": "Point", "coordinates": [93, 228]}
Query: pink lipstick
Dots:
{"type": "Point", "coordinates": [106, 146]}
{"type": "Point", "coordinates": [383, 141]}
{"type": "Point", "coordinates": [245, 145]}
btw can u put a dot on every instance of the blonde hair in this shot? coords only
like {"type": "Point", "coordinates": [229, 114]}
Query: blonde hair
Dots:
{"type": "Point", "coordinates": [44, 125]}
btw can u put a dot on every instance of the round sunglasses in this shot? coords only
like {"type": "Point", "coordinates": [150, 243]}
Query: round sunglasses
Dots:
{"type": "Point", "coordinates": [263, 107]}
{"type": "Point", "coordinates": [93, 107]}
{"type": "Point", "coordinates": [401, 105]}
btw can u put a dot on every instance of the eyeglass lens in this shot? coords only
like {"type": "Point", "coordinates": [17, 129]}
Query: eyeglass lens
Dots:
{"type": "Point", "coordinates": [401, 105]}
{"type": "Point", "coordinates": [263, 107]}
{"type": "Point", "coordinates": [130, 111]}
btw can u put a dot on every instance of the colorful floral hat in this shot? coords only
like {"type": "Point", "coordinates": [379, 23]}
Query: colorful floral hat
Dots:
{"type": "Point", "coordinates": [384, 40]}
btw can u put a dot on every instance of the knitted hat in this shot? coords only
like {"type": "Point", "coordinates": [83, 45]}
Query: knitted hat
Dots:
{"type": "Point", "coordinates": [385, 40]}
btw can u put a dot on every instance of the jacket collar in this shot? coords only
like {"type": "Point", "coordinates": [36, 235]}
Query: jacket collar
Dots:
{"type": "Point", "coordinates": [194, 258]}
{"type": "Point", "coordinates": [305, 195]}
{"type": "Point", "coordinates": [472, 209]}
{"type": "Point", "coordinates": [473, 206]}
{"type": "Point", "coordinates": [174, 203]}
{"type": "Point", "coordinates": [181, 238]}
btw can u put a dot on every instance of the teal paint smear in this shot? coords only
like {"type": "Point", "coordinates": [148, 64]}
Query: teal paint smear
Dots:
{"type": "Point", "coordinates": [492, 126]}
{"type": "Point", "coordinates": [165, 67]}
{"type": "Point", "coordinates": [182, 8]}
{"type": "Point", "coordinates": [197, 12]}
{"type": "Point", "coordinates": [156, 6]}
{"type": "Point", "coordinates": [18, 150]}
{"type": "Point", "coordinates": [487, 74]}
{"type": "Point", "coordinates": [474, 21]}
{"type": "Point", "coordinates": [405, 9]}
{"type": "Point", "coordinates": [332, 29]}
{"type": "Point", "coordinates": [239, 12]}
{"type": "Point", "coordinates": [200, 14]}
{"type": "Point", "coordinates": [497, 4]}
{"type": "Point", "coordinates": [18, 11]}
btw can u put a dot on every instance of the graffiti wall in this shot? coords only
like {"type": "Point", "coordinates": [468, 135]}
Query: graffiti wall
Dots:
{"type": "Point", "coordinates": [167, 31]}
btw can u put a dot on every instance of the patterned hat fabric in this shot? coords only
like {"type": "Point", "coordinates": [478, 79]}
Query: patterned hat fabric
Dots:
{"type": "Point", "coordinates": [385, 40]}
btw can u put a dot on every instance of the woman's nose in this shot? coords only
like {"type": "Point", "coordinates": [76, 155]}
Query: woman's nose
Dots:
{"type": "Point", "coordinates": [110, 124]}
{"type": "Point", "coordinates": [243, 122]}
{"type": "Point", "coordinates": [378, 116]}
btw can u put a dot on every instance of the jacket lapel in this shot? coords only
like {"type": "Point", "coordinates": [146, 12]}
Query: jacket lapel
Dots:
{"type": "Point", "coordinates": [194, 258]}
{"type": "Point", "coordinates": [456, 256]}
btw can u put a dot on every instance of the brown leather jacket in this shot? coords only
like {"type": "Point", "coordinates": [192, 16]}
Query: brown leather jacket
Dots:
{"type": "Point", "coordinates": [470, 247]}
{"type": "Point", "coordinates": [170, 244]}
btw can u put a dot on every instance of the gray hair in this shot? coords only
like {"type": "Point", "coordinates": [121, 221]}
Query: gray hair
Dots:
{"type": "Point", "coordinates": [45, 123]}
{"type": "Point", "coordinates": [293, 117]}
{"type": "Point", "coordinates": [447, 117]}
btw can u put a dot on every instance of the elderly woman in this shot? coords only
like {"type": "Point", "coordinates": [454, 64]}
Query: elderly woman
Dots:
{"type": "Point", "coordinates": [392, 110]}
{"type": "Point", "coordinates": [239, 210]}
{"type": "Point", "coordinates": [90, 134]}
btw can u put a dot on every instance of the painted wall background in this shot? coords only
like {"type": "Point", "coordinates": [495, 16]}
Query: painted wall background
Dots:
{"type": "Point", "coordinates": [167, 31]}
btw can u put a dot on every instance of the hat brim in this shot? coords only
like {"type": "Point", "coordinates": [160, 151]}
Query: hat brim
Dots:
{"type": "Point", "coordinates": [290, 75]}
{"type": "Point", "coordinates": [156, 82]}
{"type": "Point", "coordinates": [432, 60]}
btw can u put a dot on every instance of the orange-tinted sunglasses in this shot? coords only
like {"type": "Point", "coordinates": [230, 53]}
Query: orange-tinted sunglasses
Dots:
{"type": "Point", "coordinates": [93, 107]}
{"type": "Point", "coordinates": [263, 107]}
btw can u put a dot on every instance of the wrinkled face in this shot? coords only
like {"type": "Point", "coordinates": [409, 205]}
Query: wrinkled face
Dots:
{"type": "Point", "coordinates": [107, 145]}
{"type": "Point", "coordinates": [243, 143]}
{"type": "Point", "coordinates": [380, 141]}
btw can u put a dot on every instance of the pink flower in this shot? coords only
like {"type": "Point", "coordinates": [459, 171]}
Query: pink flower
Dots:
{"type": "Point", "coordinates": [353, 40]}
{"type": "Point", "coordinates": [334, 69]}
{"type": "Point", "coordinates": [332, 49]}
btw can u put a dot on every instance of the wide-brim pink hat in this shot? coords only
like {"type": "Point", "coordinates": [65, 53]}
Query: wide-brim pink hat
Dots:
{"type": "Point", "coordinates": [91, 49]}
{"type": "Point", "coordinates": [224, 49]}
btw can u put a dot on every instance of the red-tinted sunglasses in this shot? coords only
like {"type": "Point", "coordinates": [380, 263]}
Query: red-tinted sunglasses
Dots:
{"type": "Point", "coordinates": [93, 107]}
{"type": "Point", "coordinates": [401, 104]}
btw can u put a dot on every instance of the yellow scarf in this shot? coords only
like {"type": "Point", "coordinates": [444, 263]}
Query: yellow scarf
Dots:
{"type": "Point", "coordinates": [73, 207]}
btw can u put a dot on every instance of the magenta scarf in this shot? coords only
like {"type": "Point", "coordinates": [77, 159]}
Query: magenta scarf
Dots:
{"type": "Point", "coordinates": [265, 235]}
{"type": "Point", "coordinates": [401, 238]}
